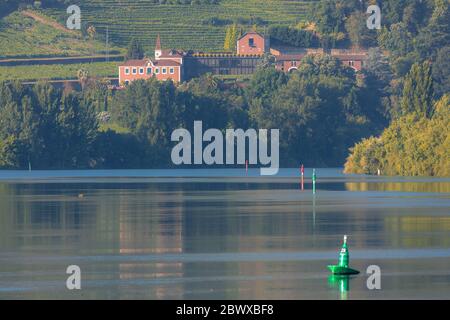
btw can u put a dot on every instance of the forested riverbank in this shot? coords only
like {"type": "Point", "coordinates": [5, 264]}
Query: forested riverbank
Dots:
{"type": "Point", "coordinates": [393, 114]}
{"type": "Point", "coordinates": [131, 128]}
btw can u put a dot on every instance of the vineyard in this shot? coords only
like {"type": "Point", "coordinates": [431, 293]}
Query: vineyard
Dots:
{"type": "Point", "coordinates": [181, 26]}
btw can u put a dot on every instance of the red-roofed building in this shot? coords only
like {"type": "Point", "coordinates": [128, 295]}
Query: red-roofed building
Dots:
{"type": "Point", "coordinates": [144, 69]}
{"type": "Point", "coordinates": [289, 59]}
{"type": "Point", "coordinates": [180, 66]}
{"type": "Point", "coordinates": [166, 65]}
{"type": "Point", "coordinates": [253, 43]}
{"type": "Point", "coordinates": [289, 62]}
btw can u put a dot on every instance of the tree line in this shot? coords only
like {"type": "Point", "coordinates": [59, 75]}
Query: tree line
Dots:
{"type": "Point", "coordinates": [321, 110]}
{"type": "Point", "coordinates": [415, 87]}
{"type": "Point", "coordinates": [400, 100]}
{"type": "Point", "coordinates": [417, 143]}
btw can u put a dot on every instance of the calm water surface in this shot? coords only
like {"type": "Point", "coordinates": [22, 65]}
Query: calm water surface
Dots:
{"type": "Point", "coordinates": [219, 234]}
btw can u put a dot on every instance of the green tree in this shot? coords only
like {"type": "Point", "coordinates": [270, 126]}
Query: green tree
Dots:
{"type": "Point", "coordinates": [413, 15]}
{"type": "Point", "coordinates": [379, 86]}
{"type": "Point", "coordinates": [83, 77]}
{"type": "Point", "coordinates": [436, 34]}
{"type": "Point", "coordinates": [441, 71]}
{"type": "Point", "coordinates": [418, 91]}
{"type": "Point", "coordinates": [227, 42]}
{"type": "Point", "coordinates": [359, 34]}
{"type": "Point", "coordinates": [410, 146]}
{"type": "Point", "coordinates": [330, 16]}
{"type": "Point", "coordinates": [319, 110]}
{"type": "Point", "coordinates": [41, 126]}
{"type": "Point", "coordinates": [135, 50]}
{"type": "Point", "coordinates": [77, 130]}
{"type": "Point", "coordinates": [393, 10]}
{"type": "Point", "coordinates": [231, 37]}
{"type": "Point", "coordinates": [397, 39]}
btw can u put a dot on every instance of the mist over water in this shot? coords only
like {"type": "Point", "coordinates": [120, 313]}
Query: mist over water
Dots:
{"type": "Point", "coordinates": [220, 234]}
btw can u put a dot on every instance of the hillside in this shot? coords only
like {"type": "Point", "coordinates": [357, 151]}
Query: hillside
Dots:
{"type": "Point", "coordinates": [31, 34]}
{"type": "Point", "coordinates": [182, 26]}
{"type": "Point", "coordinates": [57, 71]}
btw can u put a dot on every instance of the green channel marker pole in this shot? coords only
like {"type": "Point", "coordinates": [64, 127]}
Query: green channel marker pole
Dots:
{"type": "Point", "coordinates": [314, 177]}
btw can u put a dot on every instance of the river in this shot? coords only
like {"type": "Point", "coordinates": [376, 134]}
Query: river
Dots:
{"type": "Point", "coordinates": [221, 234]}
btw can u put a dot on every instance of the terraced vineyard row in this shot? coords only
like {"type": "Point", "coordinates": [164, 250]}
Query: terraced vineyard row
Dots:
{"type": "Point", "coordinates": [180, 26]}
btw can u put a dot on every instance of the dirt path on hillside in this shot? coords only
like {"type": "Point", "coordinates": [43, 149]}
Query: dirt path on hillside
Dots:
{"type": "Point", "coordinates": [46, 21]}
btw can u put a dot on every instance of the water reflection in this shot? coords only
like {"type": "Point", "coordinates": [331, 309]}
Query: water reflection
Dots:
{"type": "Point", "coordinates": [407, 186]}
{"type": "Point", "coordinates": [340, 283]}
{"type": "Point", "coordinates": [46, 226]}
{"type": "Point", "coordinates": [314, 212]}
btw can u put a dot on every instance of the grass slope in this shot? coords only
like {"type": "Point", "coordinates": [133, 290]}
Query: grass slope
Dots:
{"type": "Point", "coordinates": [57, 71]}
{"type": "Point", "coordinates": [23, 36]}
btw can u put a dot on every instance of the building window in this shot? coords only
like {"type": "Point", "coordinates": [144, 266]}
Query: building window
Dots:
{"type": "Point", "coordinates": [127, 70]}
{"type": "Point", "coordinates": [149, 70]}
{"type": "Point", "coordinates": [134, 70]}
{"type": "Point", "coordinates": [351, 63]}
{"type": "Point", "coordinates": [127, 82]}
{"type": "Point", "coordinates": [156, 70]}
{"type": "Point", "coordinates": [164, 70]}
{"type": "Point", "coordinates": [172, 70]}
{"type": "Point", "coordinates": [251, 42]}
{"type": "Point", "coordinates": [141, 70]}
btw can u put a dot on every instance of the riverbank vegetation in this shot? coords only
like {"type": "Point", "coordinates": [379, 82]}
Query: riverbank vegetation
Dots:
{"type": "Point", "coordinates": [393, 115]}
{"type": "Point", "coordinates": [63, 128]}
{"type": "Point", "coordinates": [415, 85]}
{"type": "Point", "coordinates": [412, 145]}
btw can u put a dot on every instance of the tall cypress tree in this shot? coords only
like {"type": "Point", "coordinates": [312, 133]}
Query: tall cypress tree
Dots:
{"type": "Point", "coordinates": [418, 91]}
{"type": "Point", "coordinates": [234, 33]}
{"type": "Point", "coordinates": [135, 50]}
{"type": "Point", "coordinates": [231, 37]}
{"type": "Point", "coordinates": [227, 42]}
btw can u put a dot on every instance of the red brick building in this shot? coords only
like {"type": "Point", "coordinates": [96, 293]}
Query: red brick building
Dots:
{"type": "Point", "coordinates": [179, 66]}
{"type": "Point", "coordinates": [144, 69]}
{"type": "Point", "coordinates": [289, 59]}
{"type": "Point", "coordinates": [351, 58]}
{"type": "Point", "coordinates": [253, 43]}
{"type": "Point", "coordinates": [288, 63]}
{"type": "Point", "coordinates": [166, 65]}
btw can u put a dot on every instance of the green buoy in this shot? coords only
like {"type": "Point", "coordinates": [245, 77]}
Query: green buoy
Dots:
{"type": "Point", "coordinates": [342, 267]}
